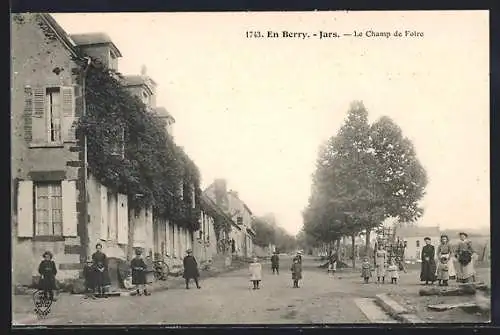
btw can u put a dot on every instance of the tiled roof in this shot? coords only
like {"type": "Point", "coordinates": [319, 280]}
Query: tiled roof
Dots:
{"type": "Point", "coordinates": [95, 38]}
{"type": "Point", "coordinates": [417, 231]}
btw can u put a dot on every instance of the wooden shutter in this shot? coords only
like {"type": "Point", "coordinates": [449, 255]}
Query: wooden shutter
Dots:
{"type": "Point", "coordinates": [25, 221]}
{"type": "Point", "coordinates": [122, 219]}
{"type": "Point", "coordinates": [69, 199]}
{"type": "Point", "coordinates": [104, 213]}
{"type": "Point", "coordinates": [28, 113]}
{"type": "Point", "coordinates": [68, 111]}
{"type": "Point", "coordinates": [39, 130]}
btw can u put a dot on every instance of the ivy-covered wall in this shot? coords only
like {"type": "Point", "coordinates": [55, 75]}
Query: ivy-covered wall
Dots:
{"type": "Point", "coordinates": [152, 166]}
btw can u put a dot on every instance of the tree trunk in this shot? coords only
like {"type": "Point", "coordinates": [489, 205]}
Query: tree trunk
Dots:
{"type": "Point", "coordinates": [353, 237]}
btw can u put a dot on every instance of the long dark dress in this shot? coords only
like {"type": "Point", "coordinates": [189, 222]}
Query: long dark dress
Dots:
{"type": "Point", "coordinates": [296, 271]}
{"type": "Point", "coordinates": [428, 272]}
{"type": "Point", "coordinates": [190, 268]}
{"type": "Point", "coordinates": [275, 261]}
{"type": "Point", "coordinates": [89, 276]}
{"type": "Point", "coordinates": [101, 269]}
{"type": "Point", "coordinates": [47, 270]}
{"type": "Point", "coordinates": [138, 271]}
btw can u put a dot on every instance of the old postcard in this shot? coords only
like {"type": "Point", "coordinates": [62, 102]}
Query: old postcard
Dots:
{"type": "Point", "coordinates": [250, 168]}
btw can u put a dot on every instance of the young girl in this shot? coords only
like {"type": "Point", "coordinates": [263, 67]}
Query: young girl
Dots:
{"type": "Point", "coordinates": [139, 273]}
{"type": "Point", "coordinates": [47, 270]}
{"type": "Point", "coordinates": [392, 270]}
{"type": "Point", "coordinates": [366, 272]}
{"type": "Point", "coordinates": [442, 271]}
{"type": "Point", "coordinates": [296, 272]}
{"type": "Point", "coordinates": [89, 277]}
{"type": "Point", "coordinates": [255, 270]}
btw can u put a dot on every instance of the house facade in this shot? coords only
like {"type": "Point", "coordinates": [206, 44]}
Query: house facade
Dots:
{"type": "Point", "coordinates": [414, 236]}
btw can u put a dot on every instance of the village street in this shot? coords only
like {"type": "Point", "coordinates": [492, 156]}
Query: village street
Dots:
{"type": "Point", "coordinates": [228, 299]}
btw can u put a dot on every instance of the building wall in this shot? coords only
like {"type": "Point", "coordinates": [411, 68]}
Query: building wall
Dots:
{"type": "Point", "coordinates": [101, 52]}
{"type": "Point", "coordinates": [412, 251]}
{"type": "Point", "coordinates": [40, 59]}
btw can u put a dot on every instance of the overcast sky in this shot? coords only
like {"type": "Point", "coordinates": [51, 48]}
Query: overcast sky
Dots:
{"type": "Point", "coordinates": [254, 111]}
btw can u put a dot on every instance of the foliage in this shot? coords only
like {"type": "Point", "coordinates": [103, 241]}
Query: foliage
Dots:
{"type": "Point", "coordinates": [364, 174]}
{"type": "Point", "coordinates": [152, 167]}
{"type": "Point", "coordinates": [269, 233]}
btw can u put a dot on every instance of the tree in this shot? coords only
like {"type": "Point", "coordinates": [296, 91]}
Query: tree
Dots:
{"type": "Point", "coordinates": [264, 232]}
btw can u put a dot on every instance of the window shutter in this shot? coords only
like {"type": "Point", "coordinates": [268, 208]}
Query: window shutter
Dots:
{"type": "Point", "coordinates": [69, 199]}
{"type": "Point", "coordinates": [25, 221]}
{"type": "Point", "coordinates": [104, 213]}
{"type": "Point", "coordinates": [122, 219]}
{"type": "Point", "coordinates": [68, 110]}
{"type": "Point", "coordinates": [28, 113]}
{"type": "Point", "coordinates": [38, 120]}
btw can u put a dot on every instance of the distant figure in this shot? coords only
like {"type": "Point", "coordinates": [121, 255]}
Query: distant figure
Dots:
{"type": "Point", "coordinates": [380, 263]}
{"type": "Point", "coordinates": [47, 270]}
{"type": "Point", "coordinates": [392, 271]}
{"type": "Point", "coordinates": [139, 267]}
{"type": "Point", "coordinates": [465, 253]}
{"type": "Point", "coordinates": [296, 272]}
{"type": "Point", "coordinates": [191, 269]}
{"type": "Point", "coordinates": [428, 270]}
{"type": "Point", "coordinates": [275, 262]}
{"type": "Point", "coordinates": [332, 265]}
{"type": "Point", "coordinates": [100, 262]}
{"type": "Point", "coordinates": [366, 272]}
{"type": "Point", "coordinates": [443, 271]}
{"type": "Point", "coordinates": [299, 256]}
{"type": "Point", "coordinates": [444, 250]}
{"type": "Point", "coordinates": [89, 278]}
{"type": "Point", "coordinates": [255, 269]}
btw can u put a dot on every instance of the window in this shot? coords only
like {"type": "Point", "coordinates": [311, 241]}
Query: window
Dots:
{"type": "Point", "coordinates": [418, 244]}
{"type": "Point", "coordinates": [118, 144]}
{"type": "Point", "coordinates": [145, 97]}
{"type": "Point", "coordinates": [53, 109]}
{"type": "Point", "coordinates": [48, 209]}
{"type": "Point", "coordinates": [239, 220]}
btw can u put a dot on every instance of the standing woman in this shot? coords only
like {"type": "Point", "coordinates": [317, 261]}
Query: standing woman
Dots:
{"type": "Point", "coordinates": [380, 263]}
{"type": "Point", "coordinates": [191, 269]}
{"type": "Point", "coordinates": [428, 273]}
{"type": "Point", "coordinates": [444, 250]}
{"type": "Point", "coordinates": [100, 262]}
{"type": "Point", "coordinates": [465, 253]}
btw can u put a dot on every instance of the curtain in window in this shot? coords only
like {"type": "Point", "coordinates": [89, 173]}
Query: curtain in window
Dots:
{"type": "Point", "coordinates": [48, 210]}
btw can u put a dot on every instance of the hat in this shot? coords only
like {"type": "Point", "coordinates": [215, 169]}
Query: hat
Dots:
{"type": "Point", "coordinates": [47, 253]}
{"type": "Point", "coordinates": [445, 236]}
{"type": "Point", "coordinates": [427, 239]}
{"type": "Point", "coordinates": [98, 245]}
{"type": "Point", "coordinates": [189, 251]}
{"type": "Point", "coordinates": [463, 233]}
{"type": "Point", "coordinates": [299, 252]}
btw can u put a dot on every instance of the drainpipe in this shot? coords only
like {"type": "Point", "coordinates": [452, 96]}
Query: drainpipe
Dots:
{"type": "Point", "coordinates": [87, 249]}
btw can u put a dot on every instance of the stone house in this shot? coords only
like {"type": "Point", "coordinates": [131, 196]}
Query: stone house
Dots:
{"type": "Point", "coordinates": [47, 160]}
{"type": "Point", "coordinates": [414, 236]}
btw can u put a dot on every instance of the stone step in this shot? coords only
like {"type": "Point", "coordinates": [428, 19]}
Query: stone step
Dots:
{"type": "Point", "coordinates": [372, 311]}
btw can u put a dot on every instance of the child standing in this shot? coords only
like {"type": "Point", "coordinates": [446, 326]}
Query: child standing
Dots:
{"type": "Point", "coordinates": [255, 270]}
{"type": "Point", "coordinates": [89, 277]}
{"type": "Point", "coordinates": [47, 270]}
{"type": "Point", "coordinates": [296, 272]}
{"type": "Point", "coordinates": [366, 272]}
{"type": "Point", "coordinates": [442, 271]}
{"type": "Point", "coordinates": [392, 270]}
{"type": "Point", "coordinates": [139, 273]}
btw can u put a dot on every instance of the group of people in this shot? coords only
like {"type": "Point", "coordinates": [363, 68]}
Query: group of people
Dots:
{"type": "Point", "coordinates": [445, 269]}
{"type": "Point", "coordinates": [384, 267]}
{"type": "Point", "coordinates": [255, 269]}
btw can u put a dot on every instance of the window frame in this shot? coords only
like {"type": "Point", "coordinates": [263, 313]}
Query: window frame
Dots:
{"type": "Point", "coordinates": [36, 186]}
{"type": "Point", "coordinates": [49, 114]}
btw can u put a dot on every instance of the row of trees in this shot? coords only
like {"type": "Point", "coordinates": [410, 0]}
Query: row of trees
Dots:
{"type": "Point", "coordinates": [268, 232]}
{"type": "Point", "coordinates": [364, 174]}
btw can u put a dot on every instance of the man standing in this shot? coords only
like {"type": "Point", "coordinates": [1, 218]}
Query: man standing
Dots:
{"type": "Point", "coordinates": [191, 269]}
{"type": "Point", "coordinates": [428, 273]}
{"type": "Point", "coordinates": [275, 262]}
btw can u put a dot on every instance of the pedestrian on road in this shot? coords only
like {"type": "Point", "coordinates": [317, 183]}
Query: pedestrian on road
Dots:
{"type": "Point", "coordinates": [139, 273]}
{"type": "Point", "coordinates": [392, 271]}
{"type": "Point", "coordinates": [255, 269]}
{"type": "Point", "coordinates": [299, 256]}
{"type": "Point", "coordinates": [332, 265]}
{"type": "Point", "coordinates": [428, 271]}
{"type": "Point", "coordinates": [100, 263]}
{"type": "Point", "coordinates": [89, 278]}
{"type": "Point", "coordinates": [47, 270]}
{"type": "Point", "coordinates": [443, 271]}
{"type": "Point", "coordinates": [275, 262]}
{"type": "Point", "coordinates": [444, 250]}
{"type": "Point", "coordinates": [465, 253]}
{"type": "Point", "coordinates": [366, 271]}
{"type": "Point", "coordinates": [380, 263]}
{"type": "Point", "coordinates": [191, 269]}
{"type": "Point", "coordinates": [296, 272]}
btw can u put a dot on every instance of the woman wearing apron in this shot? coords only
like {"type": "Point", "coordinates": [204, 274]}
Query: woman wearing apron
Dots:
{"type": "Point", "coordinates": [444, 250]}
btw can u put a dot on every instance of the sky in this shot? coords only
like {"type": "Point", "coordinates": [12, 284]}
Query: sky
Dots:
{"type": "Point", "coordinates": [255, 110]}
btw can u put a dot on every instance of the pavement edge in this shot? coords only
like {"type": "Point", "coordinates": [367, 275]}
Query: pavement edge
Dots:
{"type": "Point", "coordinates": [395, 310]}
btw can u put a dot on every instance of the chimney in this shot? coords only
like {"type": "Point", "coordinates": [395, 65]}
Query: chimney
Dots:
{"type": "Point", "coordinates": [220, 191]}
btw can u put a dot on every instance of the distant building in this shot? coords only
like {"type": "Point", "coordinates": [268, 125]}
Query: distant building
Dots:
{"type": "Point", "coordinates": [414, 237]}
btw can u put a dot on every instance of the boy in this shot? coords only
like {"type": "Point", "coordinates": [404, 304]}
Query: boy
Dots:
{"type": "Point", "coordinates": [47, 270]}
{"type": "Point", "coordinates": [392, 269]}
{"type": "Point", "coordinates": [296, 272]}
{"type": "Point", "coordinates": [275, 262]}
{"type": "Point", "coordinates": [366, 272]}
{"type": "Point", "coordinates": [89, 277]}
{"type": "Point", "coordinates": [139, 273]}
{"type": "Point", "coordinates": [255, 270]}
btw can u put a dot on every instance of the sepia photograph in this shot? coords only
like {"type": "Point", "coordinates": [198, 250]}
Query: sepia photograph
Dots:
{"type": "Point", "coordinates": [250, 168]}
